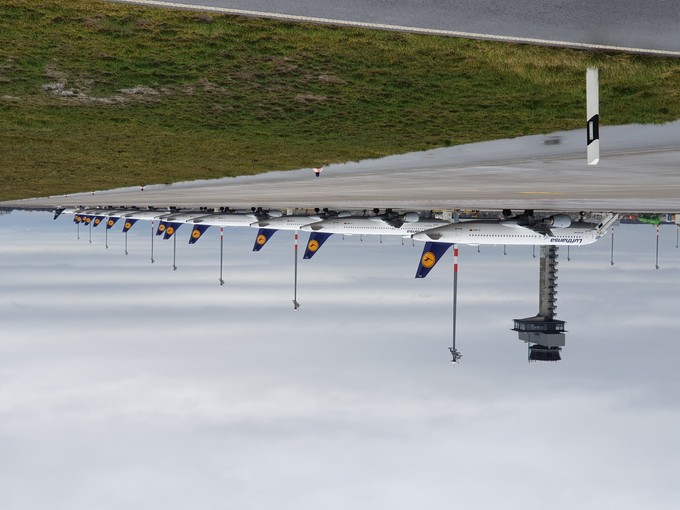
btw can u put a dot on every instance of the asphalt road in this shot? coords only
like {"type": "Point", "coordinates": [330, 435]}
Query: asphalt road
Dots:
{"type": "Point", "coordinates": [639, 171]}
{"type": "Point", "coordinates": [653, 25]}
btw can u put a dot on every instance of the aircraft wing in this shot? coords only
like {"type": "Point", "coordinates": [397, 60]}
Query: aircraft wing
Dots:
{"type": "Point", "coordinates": [540, 228]}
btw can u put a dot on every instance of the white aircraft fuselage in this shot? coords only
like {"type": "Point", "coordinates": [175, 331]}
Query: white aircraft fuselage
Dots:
{"type": "Point", "coordinates": [355, 225]}
{"type": "Point", "coordinates": [226, 219]}
{"type": "Point", "coordinates": [286, 222]}
{"type": "Point", "coordinates": [494, 232]}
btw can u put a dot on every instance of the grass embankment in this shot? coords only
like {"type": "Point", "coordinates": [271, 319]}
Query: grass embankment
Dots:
{"type": "Point", "coordinates": [96, 95]}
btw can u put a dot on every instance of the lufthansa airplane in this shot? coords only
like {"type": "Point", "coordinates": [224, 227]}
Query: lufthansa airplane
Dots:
{"type": "Point", "coordinates": [556, 230]}
{"type": "Point", "coordinates": [269, 226]}
{"type": "Point", "coordinates": [389, 224]}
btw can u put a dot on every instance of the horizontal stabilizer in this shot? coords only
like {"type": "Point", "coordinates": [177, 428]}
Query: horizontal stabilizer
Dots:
{"type": "Point", "coordinates": [263, 235]}
{"type": "Point", "coordinates": [432, 252]}
{"type": "Point", "coordinates": [316, 239]}
{"type": "Point", "coordinates": [197, 232]}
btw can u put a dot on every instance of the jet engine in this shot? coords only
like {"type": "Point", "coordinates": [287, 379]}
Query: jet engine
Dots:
{"type": "Point", "coordinates": [558, 221]}
{"type": "Point", "coordinates": [410, 217]}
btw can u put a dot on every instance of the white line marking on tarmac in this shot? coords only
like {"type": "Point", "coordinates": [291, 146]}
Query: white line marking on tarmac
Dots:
{"type": "Point", "coordinates": [401, 28]}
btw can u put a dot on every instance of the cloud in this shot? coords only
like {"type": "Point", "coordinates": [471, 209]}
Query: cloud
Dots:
{"type": "Point", "coordinates": [127, 384]}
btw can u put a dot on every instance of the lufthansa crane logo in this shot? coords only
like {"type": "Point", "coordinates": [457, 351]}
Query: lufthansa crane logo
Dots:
{"type": "Point", "coordinates": [261, 239]}
{"type": "Point", "coordinates": [196, 234]}
{"type": "Point", "coordinates": [127, 225]}
{"type": "Point", "coordinates": [313, 245]}
{"type": "Point", "coordinates": [428, 260]}
{"type": "Point", "coordinates": [161, 227]}
{"type": "Point", "coordinates": [97, 221]}
{"type": "Point", "coordinates": [170, 231]}
{"type": "Point", "coordinates": [110, 223]}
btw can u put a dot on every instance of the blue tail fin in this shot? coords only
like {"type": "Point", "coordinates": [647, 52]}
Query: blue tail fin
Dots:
{"type": "Point", "coordinates": [263, 236]}
{"type": "Point", "coordinates": [128, 224]}
{"type": "Point", "coordinates": [197, 232]}
{"type": "Point", "coordinates": [162, 225]}
{"type": "Point", "coordinates": [110, 222]}
{"type": "Point", "coordinates": [316, 239]}
{"type": "Point", "coordinates": [432, 252]}
{"type": "Point", "coordinates": [170, 229]}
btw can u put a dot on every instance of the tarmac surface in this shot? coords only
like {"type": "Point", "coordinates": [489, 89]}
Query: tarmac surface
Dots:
{"type": "Point", "coordinates": [639, 171]}
{"type": "Point", "coordinates": [629, 25]}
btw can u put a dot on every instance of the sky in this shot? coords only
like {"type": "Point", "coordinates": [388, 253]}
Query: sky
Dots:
{"type": "Point", "coordinates": [125, 384]}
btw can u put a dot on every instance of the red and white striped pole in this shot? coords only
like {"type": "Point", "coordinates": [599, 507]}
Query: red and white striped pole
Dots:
{"type": "Point", "coordinates": [455, 355]}
{"type": "Point", "coordinates": [656, 265]}
{"type": "Point", "coordinates": [152, 221]}
{"type": "Point", "coordinates": [296, 305]}
{"type": "Point", "coordinates": [221, 253]}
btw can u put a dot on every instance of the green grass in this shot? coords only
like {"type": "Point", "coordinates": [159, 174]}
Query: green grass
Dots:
{"type": "Point", "coordinates": [223, 95]}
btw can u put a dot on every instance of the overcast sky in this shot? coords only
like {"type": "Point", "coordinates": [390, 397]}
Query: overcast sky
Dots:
{"type": "Point", "coordinates": [127, 385]}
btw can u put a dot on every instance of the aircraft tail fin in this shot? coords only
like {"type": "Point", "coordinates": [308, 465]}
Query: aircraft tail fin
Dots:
{"type": "Point", "coordinates": [432, 252]}
{"type": "Point", "coordinates": [316, 239]}
{"type": "Point", "coordinates": [111, 221]}
{"type": "Point", "coordinates": [263, 235]}
{"type": "Point", "coordinates": [197, 232]}
{"type": "Point", "coordinates": [162, 225]}
{"type": "Point", "coordinates": [128, 224]}
{"type": "Point", "coordinates": [170, 229]}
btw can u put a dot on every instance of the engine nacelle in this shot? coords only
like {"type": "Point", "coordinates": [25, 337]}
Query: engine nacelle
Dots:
{"type": "Point", "coordinates": [558, 221]}
{"type": "Point", "coordinates": [344, 214]}
{"type": "Point", "coordinates": [410, 217]}
{"type": "Point", "coordinates": [274, 213]}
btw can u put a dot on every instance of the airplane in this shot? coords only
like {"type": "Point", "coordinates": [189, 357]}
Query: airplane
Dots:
{"type": "Point", "coordinates": [390, 223]}
{"type": "Point", "coordinates": [525, 229]}
{"type": "Point", "coordinates": [269, 226]}
{"type": "Point", "coordinates": [229, 219]}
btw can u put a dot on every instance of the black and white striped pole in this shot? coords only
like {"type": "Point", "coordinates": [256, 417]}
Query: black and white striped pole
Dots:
{"type": "Point", "coordinates": [593, 115]}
